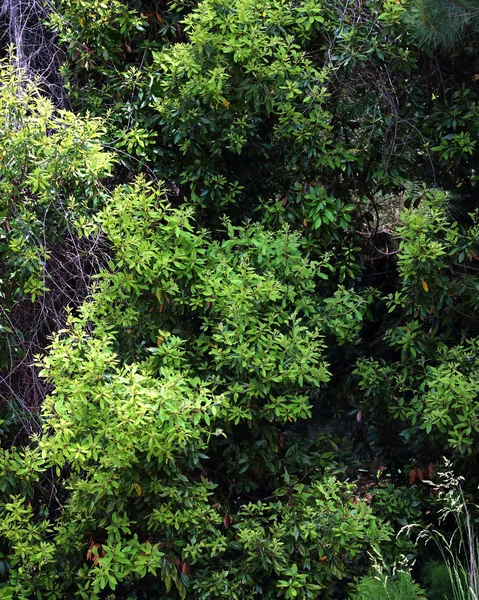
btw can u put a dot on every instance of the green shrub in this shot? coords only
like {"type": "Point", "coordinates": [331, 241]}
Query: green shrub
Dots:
{"type": "Point", "coordinates": [400, 586]}
{"type": "Point", "coordinates": [52, 168]}
{"type": "Point", "coordinates": [171, 424]}
{"type": "Point", "coordinates": [437, 581]}
{"type": "Point", "coordinates": [189, 442]}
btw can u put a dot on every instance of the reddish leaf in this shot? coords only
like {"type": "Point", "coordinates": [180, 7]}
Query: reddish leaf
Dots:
{"type": "Point", "coordinates": [185, 568]}
{"type": "Point", "coordinates": [227, 521]}
{"type": "Point", "coordinates": [90, 555]}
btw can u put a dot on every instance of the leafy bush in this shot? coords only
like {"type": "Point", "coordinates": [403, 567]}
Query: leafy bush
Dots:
{"type": "Point", "coordinates": [294, 310]}
{"type": "Point", "coordinates": [52, 165]}
{"type": "Point", "coordinates": [170, 425]}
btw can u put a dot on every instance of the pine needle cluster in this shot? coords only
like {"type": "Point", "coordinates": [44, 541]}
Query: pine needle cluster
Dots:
{"type": "Point", "coordinates": [444, 24]}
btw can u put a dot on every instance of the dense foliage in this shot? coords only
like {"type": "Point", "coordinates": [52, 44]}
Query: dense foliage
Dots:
{"type": "Point", "coordinates": [239, 300]}
{"type": "Point", "coordinates": [52, 167]}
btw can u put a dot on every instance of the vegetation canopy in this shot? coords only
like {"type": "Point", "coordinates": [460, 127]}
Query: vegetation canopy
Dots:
{"type": "Point", "coordinates": [239, 257]}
